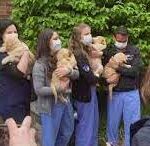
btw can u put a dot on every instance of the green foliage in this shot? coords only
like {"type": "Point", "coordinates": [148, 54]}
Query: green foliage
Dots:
{"type": "Point", "coordinates": [102, 15]}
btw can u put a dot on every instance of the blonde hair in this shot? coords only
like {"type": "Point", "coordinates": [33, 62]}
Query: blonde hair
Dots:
{"type": "Point", "coordinates": [145, 88]}
{"type": "Point", "coordinates": [75, 44]}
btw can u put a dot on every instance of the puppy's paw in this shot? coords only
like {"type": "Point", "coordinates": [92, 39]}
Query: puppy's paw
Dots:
{"type": "Point", "coordinates": [4, 61]}
{"type": "Point", "coordinates": [2, 49]}
{"type": "Point", "coordinates": [108, 144]}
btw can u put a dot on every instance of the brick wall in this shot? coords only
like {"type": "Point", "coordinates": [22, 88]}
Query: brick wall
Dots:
{"type": "Point", "coordinates": [5, 8]}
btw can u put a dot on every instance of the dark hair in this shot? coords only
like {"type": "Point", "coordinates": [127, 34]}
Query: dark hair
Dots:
{"type": "Point", "coordinates": [145, 89]}
{"type": "Point", "coordinates": [4, 23]}
{"type": "Point", "coordinates": [44, 50]}
{"type": "Point", "coordinates": [121, 30]}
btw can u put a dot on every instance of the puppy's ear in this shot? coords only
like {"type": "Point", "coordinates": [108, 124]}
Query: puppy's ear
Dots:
{"type": "Point", "coordinates": [70, 53]}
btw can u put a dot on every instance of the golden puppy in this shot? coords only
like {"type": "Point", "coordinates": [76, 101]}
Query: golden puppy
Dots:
{"type": "Point", "coordinates": [64, 57]}
{"type": "Point", "coordinates": [99, 44]}
{"type": "Point", "coordinates": [120, 59]}
{"type": "Point", "coordinates": [15, 49]}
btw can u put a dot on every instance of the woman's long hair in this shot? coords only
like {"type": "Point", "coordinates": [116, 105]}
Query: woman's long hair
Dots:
{"type": "Point", "coordinates": [44, 50]}
{"type": "Point", "coordinates": [4, 24]}
{"type": "Point", "coordinates": [75, 44]}
{"type": "Point", "coordinates": [145, 88]}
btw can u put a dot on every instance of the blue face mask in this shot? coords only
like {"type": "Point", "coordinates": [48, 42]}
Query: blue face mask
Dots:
{"type": "Point", "coordinates": [56, 45]}
{"type": "Point", "coordinates": [87, 39]}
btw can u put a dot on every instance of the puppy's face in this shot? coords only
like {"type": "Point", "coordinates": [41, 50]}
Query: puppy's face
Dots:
{"type": "Point", "coordinates": [63, 54]}
{"type": "Point", "coordinates": [121, 58]}
{"type": "Point", "coordinates": [11, 41]}
{"type": "Point", "coordinates": [99, 40]}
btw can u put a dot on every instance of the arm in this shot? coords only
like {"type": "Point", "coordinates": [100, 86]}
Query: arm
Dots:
{"type": "Point", "coordinates": [85, 70]}
{"type": "Point", "coordinates": [135, 66]}
{"type": "Point", "coordinates": [38, 75]}
{"type": "Point", "coordinates": [10, 68]}
{"type": "Point", "coordinates": [24, 63]}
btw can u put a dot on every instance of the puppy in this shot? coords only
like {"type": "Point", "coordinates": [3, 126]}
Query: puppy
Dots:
{"type": "Point", "coordinates": [64, 57]}
{"type": "Point", "coordinates": [15, 49]}
{"type": "Point", "coordinates": [99, 44]}
{"type": "Point", "coordinates": [120, 59]}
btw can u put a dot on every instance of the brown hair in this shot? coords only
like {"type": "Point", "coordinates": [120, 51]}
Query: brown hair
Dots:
{"type": "Point", "coordinates": [75, 44]}
{"type": "Point", "coordinates": [145, 88]}
{"type": "Point", "coordinates": [4, 24]}
{"type": "Point", "coordinates": [44, 50]}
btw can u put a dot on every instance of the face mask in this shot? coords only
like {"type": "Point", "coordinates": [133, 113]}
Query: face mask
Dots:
{"type": "Point", "coordinates": [87, 39]}
{"type": "Point", "coordinates": [10, 37]}
{"type": "Point", "coordinates": [120, 45]}
{"type": "Point", "coordinates": [56, 45]}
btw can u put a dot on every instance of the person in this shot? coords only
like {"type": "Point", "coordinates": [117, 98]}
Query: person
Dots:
{"type": "Point", "coordinates": [14, 87]}
{"type": "Point", "coordinates": [140, 130]}
{"type": "Point", "coordinates": [125, 99]}
{"type": "Point", "coordinates": [84, 88]}
{"type": "Point", "coordinates": [21, 136]}
{"type": "Point", "coordinates": [145, 92]}
{"type": "Point", "coordinates": [57, 119]}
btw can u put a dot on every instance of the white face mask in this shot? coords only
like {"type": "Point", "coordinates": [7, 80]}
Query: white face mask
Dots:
{"type": "Point", "coordinates": [120, 45]}
{"type": "Point", "coordinates": [56, 45]}
{"type": "Point", "coordinates": [87, 39]}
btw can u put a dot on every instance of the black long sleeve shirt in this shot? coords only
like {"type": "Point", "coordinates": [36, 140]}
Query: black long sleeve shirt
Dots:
{"type": "Point", "coordinates": [81, 88]}
{"type": "Point", "coordinates": [129, 79]}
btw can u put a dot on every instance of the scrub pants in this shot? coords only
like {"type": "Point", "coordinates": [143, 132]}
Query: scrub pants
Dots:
{"type": "Point", "coordinates": [126, 104]}
{"type": "Point", "coordinates": [57, 126]}
{"type": "Point", "coordinates": [86, 131]}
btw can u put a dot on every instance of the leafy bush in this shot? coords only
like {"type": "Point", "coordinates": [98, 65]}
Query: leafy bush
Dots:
{"type": "Point", "coordinates": [102, 15]}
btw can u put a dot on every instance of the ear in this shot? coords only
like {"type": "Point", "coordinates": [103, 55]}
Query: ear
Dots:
{"type": "Point", "coordinates": [114, 38]}
{"type": "Point", "coordinates": [70, 53]}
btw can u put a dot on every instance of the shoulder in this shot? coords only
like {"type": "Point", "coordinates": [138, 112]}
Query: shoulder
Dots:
{"type": "Point", "coordinates": [2, 55]}
{"type": "Point", "coordinates": [133, 49]}
{"type": "Point", "coordinates": [109, 51]}
{"type": "Point", "coordinates": [38, 66]}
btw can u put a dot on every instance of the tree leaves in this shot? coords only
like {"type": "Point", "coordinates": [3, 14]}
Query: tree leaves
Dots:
{"type": "Point", "coordinates": [103, 16]}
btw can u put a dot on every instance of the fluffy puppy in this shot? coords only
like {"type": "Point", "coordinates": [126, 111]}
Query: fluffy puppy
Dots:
{"type": "Point", "coordinates": [99, 44]}
{"type": "Point", "coordinates": [120, 59]}
{"type": "Point", "coordinates": [64, 57]}
{"type": "Point", "coordinates": [15, 49]}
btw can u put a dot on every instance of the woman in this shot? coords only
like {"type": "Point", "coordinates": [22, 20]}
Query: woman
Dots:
{"type": "Point", "coordinates": [14, 87]}
{"type": "Point", "coordinates": [145, 89]}
{"type": "Point", "coordinates": [84, 89]}
{"type": "Point", "coordinates": [140, 130]}
{"type": "Point", "coordinates": [56, 118]}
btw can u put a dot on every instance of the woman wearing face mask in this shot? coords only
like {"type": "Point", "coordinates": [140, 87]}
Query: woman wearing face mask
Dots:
{"type": "Point", "coordinates": [14, 87]}
{"type": "Point", "coordinates": [84, 89]}
{"type": "Point", "coordinates": [56, 118]}
{"type": "Point", "coordinates": [125, 99]}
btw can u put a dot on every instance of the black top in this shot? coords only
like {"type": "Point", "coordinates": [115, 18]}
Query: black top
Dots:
{"type": "Point", "coordinates": [129, 79]}
{"type": "Point", "coordinates": [15, 92]}
{"type": "Point", "coordinates": [81, 88]}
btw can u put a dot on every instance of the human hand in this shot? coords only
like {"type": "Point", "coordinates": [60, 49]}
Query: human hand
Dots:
{"type": "Point", "coordinates": [24, 62]}
{"type": "Point", "coordinates": [23, 136]}
{"type": "Point", "coordinates": [62, 71]}
{"type": "Point", "coordinates": [113, 79]}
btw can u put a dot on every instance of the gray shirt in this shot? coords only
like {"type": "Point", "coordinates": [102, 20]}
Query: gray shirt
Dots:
{"type": "Point", "coordinates": [42, 86]}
